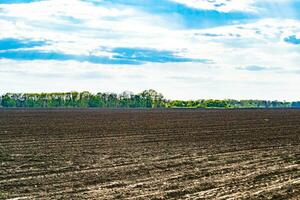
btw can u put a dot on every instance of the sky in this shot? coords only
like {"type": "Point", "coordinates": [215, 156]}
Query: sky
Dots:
{"type": "Point", "coordinates": [185, 49]}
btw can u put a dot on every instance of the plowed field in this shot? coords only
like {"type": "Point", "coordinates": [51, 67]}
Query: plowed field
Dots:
{"type": "Point", "coordinates": [149, 154]}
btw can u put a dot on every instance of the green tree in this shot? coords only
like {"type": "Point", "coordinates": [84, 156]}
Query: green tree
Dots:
{"type": "Point", "coordinates": [7, 101]}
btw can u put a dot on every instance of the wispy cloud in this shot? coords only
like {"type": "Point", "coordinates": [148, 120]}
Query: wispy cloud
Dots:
{"type": "Point", "coordinates": [152, 55]}
{"type": "Point", "coordinates": [119, 56]}
{"type": "Point", "coordinates": [221, 5]}
{"type": "Point", "coordinates": [183, 14]}
{"type": "Point", "coordinates": [256, 68]}
{"type": "Point", "coordinates": [12, 43]}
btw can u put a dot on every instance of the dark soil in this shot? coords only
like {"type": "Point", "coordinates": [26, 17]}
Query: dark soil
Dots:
{"type": "Point", "coordinates": [149, 154]}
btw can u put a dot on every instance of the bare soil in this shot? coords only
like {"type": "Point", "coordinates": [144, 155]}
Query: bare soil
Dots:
{"type": "Point", "coordinates": [149, 154]}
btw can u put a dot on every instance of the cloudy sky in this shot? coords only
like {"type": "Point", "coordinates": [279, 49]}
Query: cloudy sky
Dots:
{"type": "Point", "coordinates": [186, 49]}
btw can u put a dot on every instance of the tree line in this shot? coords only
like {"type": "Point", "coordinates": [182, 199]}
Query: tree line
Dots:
{"type": "Point", "coordinates": [231, 103]}
{"type": "Point", "coordinates": [146, 99]}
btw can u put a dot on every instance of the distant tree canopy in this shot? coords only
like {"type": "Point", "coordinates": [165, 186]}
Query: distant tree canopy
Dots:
{"type": "Point", "coordinates": [146, 99]}
{"type": "Point", "coordinates": [231, 103]}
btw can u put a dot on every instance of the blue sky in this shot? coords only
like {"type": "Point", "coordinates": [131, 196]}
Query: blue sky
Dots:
{"type": "Point", "coordinates": [186, 49]}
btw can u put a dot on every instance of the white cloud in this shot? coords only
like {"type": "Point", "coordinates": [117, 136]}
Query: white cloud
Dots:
{"type": "Point", "coordinates": [80, 28]}
{"type": "Point", "coordinates": [259, 43]}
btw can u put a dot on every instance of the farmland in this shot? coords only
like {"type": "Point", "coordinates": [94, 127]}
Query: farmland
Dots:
{"type": "Point", "coordinates": [149, 154]}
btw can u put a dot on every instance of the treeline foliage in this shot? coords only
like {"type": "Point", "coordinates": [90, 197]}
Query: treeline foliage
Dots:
{"type": "Point", "coordinates": [146, 99]}
{"type": "Point", "coordinates": [230, 103]}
